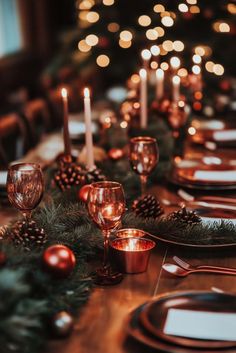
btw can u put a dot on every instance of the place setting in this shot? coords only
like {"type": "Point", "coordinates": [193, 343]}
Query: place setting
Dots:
{"type": "Point", "coordinates": [189, 321]}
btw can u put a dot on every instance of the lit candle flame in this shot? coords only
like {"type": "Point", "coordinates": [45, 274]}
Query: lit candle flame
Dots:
{"type": "Point", "coordinates": [64, 93]}
{"type": "Point", "coordinates": [159, 73]}
{"type": "Point", "coordinates": [146, 54]}
{"type": "Point", "coordinates": [143, 73]}
{"type": "Point", "coordinates": [176, 80]}
{"type": "Point", "coordinates": [86, 93]}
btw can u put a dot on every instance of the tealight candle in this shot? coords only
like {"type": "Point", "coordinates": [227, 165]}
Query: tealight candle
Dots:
{"type": "Point", "coordinates": [88, 132]}
{"type": "Point", "coordinates": [66, 135]}
{"type": "Point", "coordinates": [132, 254]}
{"type": "Point", "coordinates": [143, 98]}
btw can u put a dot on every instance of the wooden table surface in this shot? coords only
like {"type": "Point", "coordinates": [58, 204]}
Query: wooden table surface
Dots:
{"type": "Point", "coordinates": [101, 327]}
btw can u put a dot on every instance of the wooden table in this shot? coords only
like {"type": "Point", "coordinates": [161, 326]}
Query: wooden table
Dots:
{"type": "Point", "coordinates": [101, 325]}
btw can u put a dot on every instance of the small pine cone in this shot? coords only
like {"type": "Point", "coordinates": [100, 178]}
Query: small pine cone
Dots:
{"type": "Point", "coordinates": [28, 235]}
{"type": "Point", "coordinates": [147, 207]}
{"type": "Point", "coordinates": [185, 216]}
{"type": "Point", "coordinates": [94, 175]}
{"type": "Point", "coordinates": [69, 175]}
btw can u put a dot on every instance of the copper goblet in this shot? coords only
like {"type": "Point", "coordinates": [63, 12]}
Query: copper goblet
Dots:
{"type": "Point", "coordinates": [25, 187]}
{"type": "Point", "coordinates": [143, 156]}
{"type": "Point", "coordinates": [106, 204]}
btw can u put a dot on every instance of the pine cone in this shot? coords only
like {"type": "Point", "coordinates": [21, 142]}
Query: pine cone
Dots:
{"type": "Point", "coordinates": [185, 216]}
{"type": "Point", "coordinates": [28, 234]}
{"type": "Point", "coordinates": [94, 175]}
{"type": "Point", "coordinates": [69, 174]}
{"type": "Point", "coordinates": [147, 207]}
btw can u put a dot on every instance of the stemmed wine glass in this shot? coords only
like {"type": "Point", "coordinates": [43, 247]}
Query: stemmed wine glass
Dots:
{"type": "Point", "coordinates": [25, 187]}
{"type": "Point", "coordinates": [106, 204]}
{"type": "Point", "coordinates": [143, 156]}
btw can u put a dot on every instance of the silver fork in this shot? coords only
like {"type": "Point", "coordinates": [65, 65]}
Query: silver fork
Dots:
{"type": "Point", "coordinates": [188, 266]}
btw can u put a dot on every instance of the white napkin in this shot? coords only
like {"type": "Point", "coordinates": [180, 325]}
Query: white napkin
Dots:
{"type": "Point", "coordinates": [3, 177]}
{"type": "Point", "coordinates": [201, 324]}
{"type": "Point", "coordinates": [227, 135]}
{"type": "Point", "coordinates": [216, 175]}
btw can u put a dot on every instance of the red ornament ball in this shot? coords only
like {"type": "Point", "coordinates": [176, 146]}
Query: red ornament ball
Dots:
{"type": "Point", "coordinates": [59, 260]}
{"type": "Point", "coordinates": [83, 193]}
{"type": "Point", "coordinates": [115, 153]}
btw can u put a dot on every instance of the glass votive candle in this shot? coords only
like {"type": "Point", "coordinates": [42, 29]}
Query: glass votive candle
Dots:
{"type": "Point", "coordinates": [130, 233]}
{"type": "Point", "coordinates": [131, 255]}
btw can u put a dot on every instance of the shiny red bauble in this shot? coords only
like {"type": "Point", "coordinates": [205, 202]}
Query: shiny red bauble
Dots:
{"type": "Point", "coordinates": [83, 193]}
{"type": "Point", "coordinates": [59, 260]}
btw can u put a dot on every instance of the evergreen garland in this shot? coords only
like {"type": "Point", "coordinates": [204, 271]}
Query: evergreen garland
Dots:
{"type": "Point", "coordinates": [30, 297]}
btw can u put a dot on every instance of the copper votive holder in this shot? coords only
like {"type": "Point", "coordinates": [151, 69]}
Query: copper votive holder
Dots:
{"type": "Point", "coordinates": [130, 233]}
{"type": "Point", "coordinates": [131, 255]}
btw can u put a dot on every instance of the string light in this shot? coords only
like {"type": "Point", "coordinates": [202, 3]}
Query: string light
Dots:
{"type": "Point", "coordinates": [83, 46]}
{"type": "Point", "coordinates": [126, 36]}
{"type": "Point", "coordinates": [113, 27]}
{"type": "Point", "coordinates": [125, 44]}
{"type": "Point", "coordinates": [155, 50]}
{"type": "Point", "coordinates": [168, 45]}
{"type": "Point", "coordinates": [144, 20]}
{"type": "Point", "coordinates": [209, 66]}
{"type": "Point", "coordinates": [194, 9]}
{"type": "Point", "coordinates": [154, 65]}
{"type": "Point", "coordinates": [191, 2]}
{"type": "Point", "coordinates": [146, 54]}
{"type": "Point", "coordinates": [91, 40]}
{"type": "Point", "coordinates": [151, 34]}
{"type": "Point", "coordinates": [231, 8]}
{"type": "Point", "coordinates": [92, 17]}
{"type": "Point", "coordinates": [158, 8]}
{"type": "Point", "coordinates": [197, 59]}
{"type": "Point", "coordinates": [175, 62]}
{"type": "Point", "coordinates": [160, 31]}
{"type": "Point", "coordinates": [164, 66]}
{"type": "Point", "coordinates": [178, 45]}
{"type": "Point", "coordinates": [218, 69]}
{"type": "Point", "coordinates": [196, 69]}
{"type": "Point", "coordinates": [103, 60]}
{"type": "Point", "coordinates": [167, 21]}
{"type": "Point", "coordinates": [108, 2]}
{"type": "Point", "coordinates": [182, 72]}
{"type": "Point", "coordinates": [183, 7]}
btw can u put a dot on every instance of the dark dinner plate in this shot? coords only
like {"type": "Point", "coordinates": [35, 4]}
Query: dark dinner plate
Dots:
{"type": "Point", "coordinates": [153, 316]}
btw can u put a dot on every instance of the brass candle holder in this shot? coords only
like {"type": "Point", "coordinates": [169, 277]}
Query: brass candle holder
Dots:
{"type": "Point", "coordinates": [131, 255]}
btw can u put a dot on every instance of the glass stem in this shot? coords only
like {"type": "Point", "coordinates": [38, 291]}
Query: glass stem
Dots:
{"type": "Point", "coordinates": [106, 234]}
{"type": "Point", "coordinates": [27, 215]}
{"type": "Point", "coordinates": [143, 179]}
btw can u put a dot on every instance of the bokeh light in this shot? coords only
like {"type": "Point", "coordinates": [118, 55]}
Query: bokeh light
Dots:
{"type": "Point", "coordinates": [144, 20]}
{"type": "Point", "coordinates": [92, 17]}
{"type": "Point", "coordinates": [91, 40]}
{"type": "Point", "coordinates": [155, 50]}
{"type": "Point", "coordinates": [151, 34]}
{"type": "Point", "coordinates": [167, 21]}
{"type": "Point", "coordinates": [158, 8]}
{"type": "Point", "coordinates": [178, 45]}
{"type": "Point", "coordinates": [103, 60]}
{"type": "Point", "coordinates": [126, 36]}
{"type": "Point", "coordinates": [113, 27]}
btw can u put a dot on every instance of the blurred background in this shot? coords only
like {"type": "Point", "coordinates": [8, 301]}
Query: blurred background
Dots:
{"type": "Point", "coordinates": [47, 44]}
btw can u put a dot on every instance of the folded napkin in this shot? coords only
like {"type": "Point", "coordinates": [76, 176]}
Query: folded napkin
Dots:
{"type": "Point", "coordinates": [3, 177]}
{"type": "Point", "coordinates": [225, 135]}
{"type": "Point", "coordinates": [201, 324]}
{"type": "Point", "coordinates": [215, 175]}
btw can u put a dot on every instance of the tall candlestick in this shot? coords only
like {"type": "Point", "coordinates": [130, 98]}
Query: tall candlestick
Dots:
{"type": "Point", "coordinates": [66, 135]}
{"type": "Point", "coordinates": [143, 98]}
{"type": "Point", "coordinates": [159, 84]}
{"type": "Point", "coordinates": [88, 132]}
{"type": "Point", "coordinates": [176, 87]}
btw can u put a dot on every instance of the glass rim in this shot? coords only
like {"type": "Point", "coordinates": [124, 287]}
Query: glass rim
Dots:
{"type": "Point", "coordinates": [106, 184]}
{"type": "Point", "coordinates": [17, 166]}
{"type": "Point", "coordinates": [145, 139]}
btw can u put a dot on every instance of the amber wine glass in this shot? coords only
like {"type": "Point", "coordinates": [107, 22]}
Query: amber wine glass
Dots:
{"type": "Point", "coordinates": [143, 156]}
{"type": "Point", "coordinates": [106, 204]}
{"type": "Point", "coordinates": [25, 187]}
